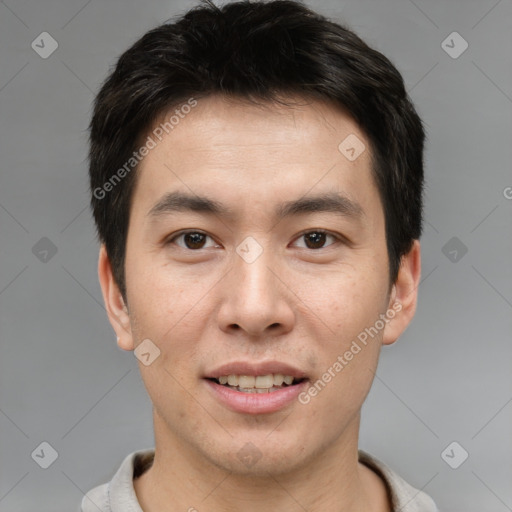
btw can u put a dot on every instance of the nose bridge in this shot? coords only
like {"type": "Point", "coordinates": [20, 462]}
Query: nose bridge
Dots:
{"type": "Point", "coordinates": [253, 279]}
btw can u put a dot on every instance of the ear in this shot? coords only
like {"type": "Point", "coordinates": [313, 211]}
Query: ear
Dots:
{"type": "Point", "coordinates": [404, 295]}
{"type": "Point", "coordinates": [116, 308]}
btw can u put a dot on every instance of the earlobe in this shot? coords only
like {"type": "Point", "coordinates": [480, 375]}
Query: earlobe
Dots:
{"type": "Point", "coordinates": [117, 310]}
{"type": "Point", "coordinates": [404, 295]}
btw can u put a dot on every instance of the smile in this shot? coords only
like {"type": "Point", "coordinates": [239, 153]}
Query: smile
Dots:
{"type": "Point", "coordinates": [257, 383]}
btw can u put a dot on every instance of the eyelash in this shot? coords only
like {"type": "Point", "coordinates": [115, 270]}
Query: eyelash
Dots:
{"type": "Point", "coordinates": [337, 238]}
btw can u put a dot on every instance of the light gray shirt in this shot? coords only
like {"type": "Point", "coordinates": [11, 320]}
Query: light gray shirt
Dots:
{"type": "Point", "coordinates": [119, 494]}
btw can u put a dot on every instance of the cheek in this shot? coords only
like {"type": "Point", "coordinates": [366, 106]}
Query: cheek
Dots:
{"type": "Point", "coordinates": [349, 306]}
{"type": "Point", "coordinates": [348, 302]}
{"type": "Point", "coordinates": [163, 302]}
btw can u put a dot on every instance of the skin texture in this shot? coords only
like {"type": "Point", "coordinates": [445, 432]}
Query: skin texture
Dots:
{"type": "Point", "coordinates": [296, 304]}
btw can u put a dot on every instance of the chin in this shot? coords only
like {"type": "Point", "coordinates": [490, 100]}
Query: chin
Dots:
{"type": "Point", "coordinates": [258, 455]}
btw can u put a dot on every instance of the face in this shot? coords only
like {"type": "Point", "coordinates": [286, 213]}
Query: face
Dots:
{"type": "Point", "coordinates": [256, 249]}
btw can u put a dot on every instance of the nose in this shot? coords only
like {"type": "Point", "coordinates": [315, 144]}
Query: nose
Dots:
{"type": "Point", "coordinates": [256, 298]}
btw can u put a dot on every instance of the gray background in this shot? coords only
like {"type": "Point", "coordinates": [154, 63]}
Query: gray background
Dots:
{"type": "Point", "coordinates": [64, 381]}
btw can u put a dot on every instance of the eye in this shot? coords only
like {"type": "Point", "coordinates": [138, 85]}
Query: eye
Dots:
{"type": "Point", "coordinates": [192, 240]}
{"type": "Point", "coordinates": [196, 240]}
{"type": "Point", "coordinates": [315, 239]}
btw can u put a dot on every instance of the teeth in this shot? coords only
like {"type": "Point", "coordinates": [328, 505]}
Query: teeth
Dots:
{"type": "Point", "coordinates": [278, 379]}
{"type": "Point", "coordinates": [261, 383]}
{"type": "Point", "coordinates": [255, 390]}
{"type": "Point", "coordinates": [246, 381]}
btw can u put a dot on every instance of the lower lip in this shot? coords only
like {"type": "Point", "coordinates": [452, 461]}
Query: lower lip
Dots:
{"type": "Point", "coordinates": [256, 403]}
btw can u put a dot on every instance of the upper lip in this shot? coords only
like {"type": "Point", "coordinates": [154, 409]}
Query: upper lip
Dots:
{"type": "Point", "coordinates": [255, 369]}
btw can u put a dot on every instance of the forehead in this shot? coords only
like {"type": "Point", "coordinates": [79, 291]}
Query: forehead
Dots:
{"type": "Point", "coordinates": [259, 151]}
{"type": "Point", "coordinates": [223, 126]}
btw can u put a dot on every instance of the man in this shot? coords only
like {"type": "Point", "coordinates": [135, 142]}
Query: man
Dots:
{"type": "Point", "coordinates": [256, 176]}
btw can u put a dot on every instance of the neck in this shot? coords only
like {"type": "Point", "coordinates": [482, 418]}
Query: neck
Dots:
{"type": "Point", "coordinates": [333, 479]}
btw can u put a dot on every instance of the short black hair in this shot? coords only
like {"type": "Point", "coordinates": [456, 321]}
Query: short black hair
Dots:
{"type": "Point", "coordinates": [256, 51]}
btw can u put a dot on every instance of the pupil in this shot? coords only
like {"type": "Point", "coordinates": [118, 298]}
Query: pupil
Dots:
{"type": "Point", "coordinates": [194, 240]}
{"type": "Point", "coordinates": [316, 238]}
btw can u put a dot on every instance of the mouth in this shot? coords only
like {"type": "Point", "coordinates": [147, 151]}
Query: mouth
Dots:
{"type": "Point", "coordinates": [261, 388]}
{"type": "Point", "coordinates": [269, 383]}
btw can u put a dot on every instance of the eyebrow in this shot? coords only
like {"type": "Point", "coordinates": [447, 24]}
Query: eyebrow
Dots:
{"type": "Point", "coordinates": [330, 202]}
